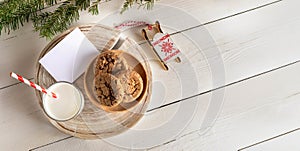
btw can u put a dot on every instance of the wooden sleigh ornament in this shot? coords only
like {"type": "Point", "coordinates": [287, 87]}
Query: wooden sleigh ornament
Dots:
{"type": "Point", "coordinates": [161, 43]}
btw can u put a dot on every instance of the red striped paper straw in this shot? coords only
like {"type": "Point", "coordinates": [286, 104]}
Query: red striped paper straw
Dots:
{"type": "Point", "coordinates": [20, 78]}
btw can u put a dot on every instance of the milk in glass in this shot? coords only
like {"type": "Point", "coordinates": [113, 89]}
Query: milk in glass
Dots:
{"type": "Point", "coordinates": [68, 104]}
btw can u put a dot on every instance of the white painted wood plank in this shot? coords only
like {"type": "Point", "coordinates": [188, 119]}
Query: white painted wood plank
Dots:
{"type": "Point", "coordinates": [256, 123]}
{"type": "Point", "coordinates": [272, 44]}
{"type": "Point", "coordinates": [237, 111]}
{"type": "Point", "coordinates": [267, 37]}
{"type": "Point", "coordinates": [289, 141]}
{"type": "Point", "coordinates": [78, 144]}
{"type": "Point", "coordinates": [249, 44]}
{"type": "Point", "coordinates": [242, 107]}
{"type": "Point", "coordinates": [233, 132]}
{"type": "Point", "coordinates": [22, 123]}
{"type": "Point", "coordinates": [21, 48]}
{"type": "Point", "coordinates": [252, 106]}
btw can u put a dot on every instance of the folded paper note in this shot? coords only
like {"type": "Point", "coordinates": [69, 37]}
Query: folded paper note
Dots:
{"type": "Point", "coordinates": [70, 57]}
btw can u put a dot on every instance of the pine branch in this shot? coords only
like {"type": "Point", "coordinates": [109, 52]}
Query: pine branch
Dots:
{"type": "Point", "coordinates": [14, 13]}
{"type": "Point", "coordinates": [51, 23]}
{"type": "Point", "coordinates": [148, 4]}
{"type": "Point", "coordinates": [94, 7]}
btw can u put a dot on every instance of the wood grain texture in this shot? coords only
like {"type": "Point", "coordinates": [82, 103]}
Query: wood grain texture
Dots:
{"type": "Point", "coordinates": [21, 47]}
{"type": "Point", "coordinates": [285, 141]}
{"type": "Point", "coordinates": [241, 39]}
{"type": "Point", "coordinates": [232, 133]}
{"type": "Point", "coordinates": [23, 124]}
{"type": "Point", "coordinates": [248, 106]}
{"type": "Point", "coordinates": [93, 122]}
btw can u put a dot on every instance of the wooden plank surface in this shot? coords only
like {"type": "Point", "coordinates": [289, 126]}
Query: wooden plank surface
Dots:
{"type": "Point", "coordinates": [255, 124]}
{"type": "Point", "coordinates": [236, 131]}
{"type": "Point", "coordinates": [245, 53]}
{"type": "Point", "coordinates": [20, 57]}
{"type": "Point", "coordinates": [22, 123]}
{"type": "Point", "coordinates": [255, 102]}
{"type": "Point", "coordinates": [288, 140]}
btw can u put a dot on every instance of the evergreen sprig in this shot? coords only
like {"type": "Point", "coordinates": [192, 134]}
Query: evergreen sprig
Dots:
{"type": "Point", "coordinates": [14, 13]}
{"type": "Point", "coordinates": [148, 4]}
{"type": "Point", "coordinates": [50, 23]}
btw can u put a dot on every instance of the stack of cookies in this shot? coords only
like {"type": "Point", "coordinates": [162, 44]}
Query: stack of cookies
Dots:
{"type": "Point", "coordinates": [115, 81]}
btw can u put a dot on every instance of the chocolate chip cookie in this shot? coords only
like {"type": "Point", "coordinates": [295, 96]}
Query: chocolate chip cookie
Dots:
{"type": "Point", "coordinates": [110, 62]}
{"type": "Point", "coordinates": [132, 83]}
{"type": "Point", "coordinates": [108, 89]}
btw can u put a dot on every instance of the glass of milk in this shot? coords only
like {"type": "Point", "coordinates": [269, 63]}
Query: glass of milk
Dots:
{"type": "Point", "coordinates": [68, 104]}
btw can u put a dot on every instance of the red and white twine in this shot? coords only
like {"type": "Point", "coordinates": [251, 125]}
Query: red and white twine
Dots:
{"type": "Point", "coordinates": [29, 83]}
{"type": "Point", "coordinates": [132, 23]}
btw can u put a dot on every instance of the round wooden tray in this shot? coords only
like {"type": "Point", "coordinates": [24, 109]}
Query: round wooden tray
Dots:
{"type": "Point", "coordinates": [93, 122]}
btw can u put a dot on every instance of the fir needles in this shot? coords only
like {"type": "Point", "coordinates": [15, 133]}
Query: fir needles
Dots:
{"type": "Point", "coordinates": [14, 13]}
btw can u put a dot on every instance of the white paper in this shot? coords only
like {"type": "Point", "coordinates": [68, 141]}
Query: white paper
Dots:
{"type": "Point", "coordinates": [70, 57]}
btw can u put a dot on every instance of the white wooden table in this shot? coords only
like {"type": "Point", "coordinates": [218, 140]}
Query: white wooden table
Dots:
{"type": "Point", "coordinates": [258, 44]}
